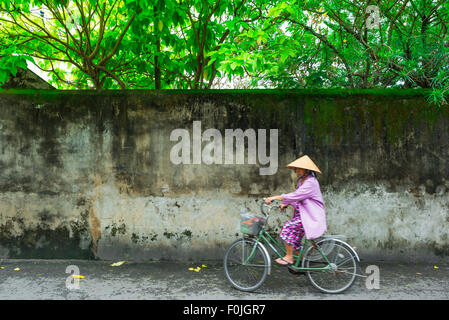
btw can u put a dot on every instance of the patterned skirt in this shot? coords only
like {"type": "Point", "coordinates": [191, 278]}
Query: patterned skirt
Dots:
{"type": "Point", "coordinates": [293, 231]}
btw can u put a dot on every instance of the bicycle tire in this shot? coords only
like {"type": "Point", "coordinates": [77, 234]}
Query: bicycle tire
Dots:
{"type": "Point", "coordinates": [344, 268]}
{"type": "Point", "coordinates": [237, 253]}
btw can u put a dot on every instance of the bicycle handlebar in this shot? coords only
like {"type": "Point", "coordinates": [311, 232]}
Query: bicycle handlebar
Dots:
{"type": "Point", "coordinates": [270, 206]}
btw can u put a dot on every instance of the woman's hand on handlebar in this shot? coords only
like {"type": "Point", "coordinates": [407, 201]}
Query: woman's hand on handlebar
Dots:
{"type": "Point", "coordinates": [270, 199]}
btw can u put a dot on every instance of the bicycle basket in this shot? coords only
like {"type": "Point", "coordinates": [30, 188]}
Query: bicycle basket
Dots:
{"type": "Point", "coordinates": [251, 224]}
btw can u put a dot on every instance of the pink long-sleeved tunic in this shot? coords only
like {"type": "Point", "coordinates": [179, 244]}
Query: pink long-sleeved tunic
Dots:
{"type": "Point", "coordinates": [309, 200]}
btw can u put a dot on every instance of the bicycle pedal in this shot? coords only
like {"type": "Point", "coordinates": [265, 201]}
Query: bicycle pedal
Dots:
{"type": "Point", "coordinates": [296, 272]}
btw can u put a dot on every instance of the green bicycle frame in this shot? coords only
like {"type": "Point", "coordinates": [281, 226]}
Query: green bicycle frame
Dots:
{"type": "Point", "coordinates": [280, 251]}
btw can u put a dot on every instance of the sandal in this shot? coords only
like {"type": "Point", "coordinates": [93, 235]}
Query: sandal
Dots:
{"type": "Point", "coordinates": [283, 264]}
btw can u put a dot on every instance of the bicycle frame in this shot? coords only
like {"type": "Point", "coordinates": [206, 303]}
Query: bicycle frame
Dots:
{"type": "Point", "coordinates": [280, 251]}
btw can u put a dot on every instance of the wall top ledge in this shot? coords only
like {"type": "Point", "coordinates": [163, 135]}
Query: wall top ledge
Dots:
{"type": "Point", "coordinates": [391, 92]}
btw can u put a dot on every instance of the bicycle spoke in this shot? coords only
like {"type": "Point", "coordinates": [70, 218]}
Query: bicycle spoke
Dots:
{"type": "Point", "coordinates": [343, 268]}
{"type": "Point", "coordinates": [348, 259]}
{"type": "Point", "coordinates": [336, 255]}
{"type": "Point", "coordinates": [243, 272]}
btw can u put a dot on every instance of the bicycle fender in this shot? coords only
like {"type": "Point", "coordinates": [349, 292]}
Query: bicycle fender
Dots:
{"type": "Point", "coordinates": [349, 246]}
{"type": "Point", "coordinates": [268, 256]}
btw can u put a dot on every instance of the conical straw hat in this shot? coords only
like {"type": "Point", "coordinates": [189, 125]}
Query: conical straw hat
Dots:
{"type": "Point", "coordinates": [305, 163]}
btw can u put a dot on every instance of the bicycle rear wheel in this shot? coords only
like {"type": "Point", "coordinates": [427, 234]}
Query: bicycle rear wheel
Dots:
{"type": "Point", "coordinates": [342, 262]}
{"type": "Point", "coordinates": [243, 273]}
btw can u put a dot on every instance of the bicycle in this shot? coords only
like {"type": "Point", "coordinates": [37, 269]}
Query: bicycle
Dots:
{"type": "Point", "coordinates": [329, 263]}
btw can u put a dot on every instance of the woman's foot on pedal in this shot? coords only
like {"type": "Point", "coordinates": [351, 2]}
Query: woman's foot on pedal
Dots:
{"type": "Point", "coordinates": [284, 261]}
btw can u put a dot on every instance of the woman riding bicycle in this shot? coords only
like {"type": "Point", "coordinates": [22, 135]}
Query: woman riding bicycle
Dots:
{"type": "Point", "coordinates": [309, 215]}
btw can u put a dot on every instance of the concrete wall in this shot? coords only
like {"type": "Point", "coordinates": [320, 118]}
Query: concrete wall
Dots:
{"type": "Point", "coordinates": [89, 175]}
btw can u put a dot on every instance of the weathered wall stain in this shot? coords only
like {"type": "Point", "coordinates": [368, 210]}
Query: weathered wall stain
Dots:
{"type": "Point", "coordinates": [94, 221]}
{"type": "Point", "coordinates": [88, 175]}
{"type": "Point", "coordinates": [42, 233]}
{"type": "Point", "coordinates": [95, 229]}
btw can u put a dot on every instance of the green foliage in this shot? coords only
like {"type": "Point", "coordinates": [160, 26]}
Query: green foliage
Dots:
{"type": "Point", "coordinates": [328, 44]}
{"type": "Point", "coordinates": [10, 59]}
{"type": "Point", "coordinates": [191, 45]}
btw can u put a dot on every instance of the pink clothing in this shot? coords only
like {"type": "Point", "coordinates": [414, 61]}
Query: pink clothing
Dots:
{"type": "Point", "coordinates": [308, 199]}
{"type": "Point", "coordinates": [293, 231]}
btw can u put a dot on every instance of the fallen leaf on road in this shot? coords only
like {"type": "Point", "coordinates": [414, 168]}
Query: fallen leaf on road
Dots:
{"type": "Point", "coordinates": [17, 269]}
{"type": "Point", "coordinates": [197, 269]}
{"type": "Point", "coordinates": [204, 266]}
{"type": "Point", "coordinates": [1, 268]}
{"type": "Point", "coordinates": [419, 273]}
{"type": "Point", "coordinates": [117, 264]}
{"type": "Point", "coordinates": [435, 267]}
{"type": "Point", "coordinates": [77, 276]}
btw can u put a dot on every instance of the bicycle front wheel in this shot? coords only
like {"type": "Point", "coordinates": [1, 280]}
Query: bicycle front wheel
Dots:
{"type": "Point", "coordinates": [246, 264]}
{"type": "Point", "coordinates": [342, 267]}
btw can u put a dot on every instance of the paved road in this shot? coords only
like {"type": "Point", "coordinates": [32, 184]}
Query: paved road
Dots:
{"type": "Point", "coordinates": [46, 279]}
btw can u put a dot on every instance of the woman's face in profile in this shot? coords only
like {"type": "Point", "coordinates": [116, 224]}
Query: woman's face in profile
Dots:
{"type": "Point", "coordinates": [300, 171]}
